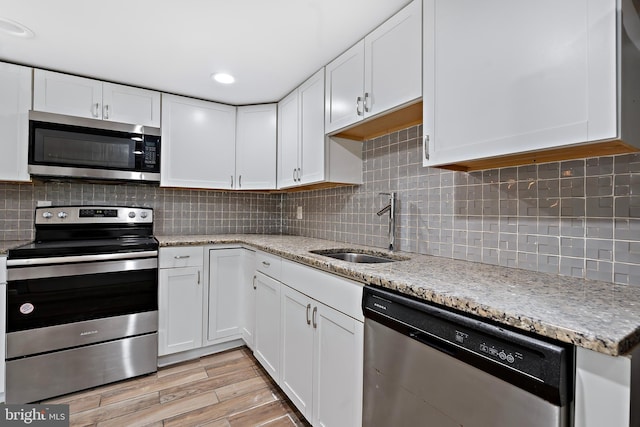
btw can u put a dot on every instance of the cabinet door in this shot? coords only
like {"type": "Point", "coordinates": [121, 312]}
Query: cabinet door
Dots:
{"type": "Point", "coordinates": [179, 310]}
{"type": "Point", "coordinates": [267, 332]}
{"type": "Point", "coordinates": [66, 94]}
{"type": "Point", "coordinates": [337, 375]}
{"type": "Point", "coordinates": [296, 370]}
{"type": "Point", "coordinates": [345, 88]}
{"type": "Point", "coordinates": [312, 136]}
{"type": "Point", "coordinates": [15, 103]}
{"type": "Point", "coordinates": [226, 277]}
{"type": "Point", "coordinates": [3, 304]}
{"type": "Point", "coordinates": [393, 61]}
{"type": "Point", "coordinates": [128, 104]}
{"type": "Point", "coordinates": [198, 143]}
{"type": "Point", "coordinates": [256, 147]}
{"type": "Point", "coordinates": [550, 82]}
{"type": "Point", "coordinates": [288, 140]}
{"type": "Point", "coordinates": [248, 298]}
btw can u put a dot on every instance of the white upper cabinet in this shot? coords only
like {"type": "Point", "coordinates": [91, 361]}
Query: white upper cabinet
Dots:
{"type": "Point", "coordinates": [306, 156]}
{"type": "Point", "coordinates": [81, 97]}
{"type": "Point", "coordinates": [128, 104]}
{"type": "Point", "coordinates": [503, 77]}
{"type": "Point", "coordinates": [15, 103]}
{"type": "Point", "coordinates": [379, 73]}
{"type": "Point", "coordinates": [256, 147]}
{"type": "Point", "coordinates": [301, 134]}
{"type": "Point", "coordinates": [198, 143]}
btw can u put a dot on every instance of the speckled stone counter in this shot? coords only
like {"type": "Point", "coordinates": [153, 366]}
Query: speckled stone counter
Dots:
{"type": "Point", "coordinates": [5, 245]}
{"type": "Point", "coordinates": [600, 316]}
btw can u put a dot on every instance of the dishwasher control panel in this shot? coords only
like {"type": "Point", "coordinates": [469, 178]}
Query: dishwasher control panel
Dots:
{"type": "Point", "coordinates": [464, 336]}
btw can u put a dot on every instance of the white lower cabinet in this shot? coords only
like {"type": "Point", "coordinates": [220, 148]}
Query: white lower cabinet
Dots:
{"type": "Point", "coordinates": [267, 328]}
{"type": "Point", "coordinates": [179, 299]}
{"type": "Point", "coordinates": [3, 305]}
{"type": "Point", "coordinates": [321, 360]}
{"type": "Point", "coordinates": [224, 314]}
{"type": "Point", "coordinates": [321, 364]}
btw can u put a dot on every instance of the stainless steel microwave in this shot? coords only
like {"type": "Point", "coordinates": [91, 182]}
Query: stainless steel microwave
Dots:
{"type": "Point", "coordinates": [74, 147]}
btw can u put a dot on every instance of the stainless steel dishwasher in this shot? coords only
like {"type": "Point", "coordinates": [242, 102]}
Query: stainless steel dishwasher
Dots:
{"type": "Point", "coordinates": [427, 366]}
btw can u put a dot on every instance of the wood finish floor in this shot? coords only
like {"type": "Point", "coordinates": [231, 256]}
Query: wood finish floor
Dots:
{"type": "Point", "coordinates": [227, 389]}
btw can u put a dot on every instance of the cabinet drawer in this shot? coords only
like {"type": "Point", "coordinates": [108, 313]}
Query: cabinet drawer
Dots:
{"type": "Point", "coordinates": [3, 269]}
{"type": "Point", "coordinates": [181, 256]}
{"type": "Point", "coordinates": [271, 265]}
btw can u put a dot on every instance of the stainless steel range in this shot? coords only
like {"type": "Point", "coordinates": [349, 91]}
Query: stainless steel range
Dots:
{"type": "Point", "coordinates": [82, 301]}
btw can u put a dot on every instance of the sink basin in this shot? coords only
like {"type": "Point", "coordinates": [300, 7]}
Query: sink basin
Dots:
{"type": "Point", "coordinates": [357, 256]}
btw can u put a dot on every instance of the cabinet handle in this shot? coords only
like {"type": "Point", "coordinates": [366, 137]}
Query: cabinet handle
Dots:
{"type": "Point", "coordinates": [294, 175]}
{"type": "Point", "coordinates": [182, 256]}
{"type": "Point", "coordinates": [198, 277]}
{"type": "Point", "coordinates": [105, 113]}
{"type": "Point", "coordinates": [239, 181]}
{"type": "Point", "coordinates": [425, 147]}
{"type": "Point", "coordinates": [231, 181]}
{"type": "Point", "coordinates": [266, 264]}
{"type": "Point", "coordinates": [315, 313]}
{"type": "Point", "coordinates": [254, 282]}
{"type": "Point", "coordinates": [299, 174]}
{"type": "Point", "coordinates": [96, 109]}
{"type": "Point", "coordinates": [366, 102]}
{"type": "Point", "coordinates": [358, 101]}
{"type": "Point", "coordinates": [308, 309]}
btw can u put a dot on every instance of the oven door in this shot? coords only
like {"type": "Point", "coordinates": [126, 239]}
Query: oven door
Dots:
{"type": "Point", "coordinates": [48, 298]}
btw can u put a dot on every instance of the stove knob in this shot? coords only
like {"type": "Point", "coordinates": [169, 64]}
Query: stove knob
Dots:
{"type": "Point", "coordinates": [62, 215]}
{"type": "Point", "coordinates": [47, 215]}
{"type": "Point", "coordinates": [132, 214]}
{"type": "Point", "coordinates": [143, 214]}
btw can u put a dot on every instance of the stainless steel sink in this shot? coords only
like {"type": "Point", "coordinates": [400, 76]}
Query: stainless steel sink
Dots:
{"type": "Point", "coordinates": [357, 256]}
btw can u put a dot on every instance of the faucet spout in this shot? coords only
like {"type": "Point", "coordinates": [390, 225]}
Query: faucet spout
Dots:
{"type": "Point", "coordinates": [384, 210]}
{"type": "Point", "coordinates": [391, 208]}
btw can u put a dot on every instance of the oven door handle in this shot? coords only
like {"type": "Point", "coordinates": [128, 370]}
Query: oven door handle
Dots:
{"type": "Point", "coordinates": [79, 258]}
{"type": "Point", "coordinates": [80, 269]}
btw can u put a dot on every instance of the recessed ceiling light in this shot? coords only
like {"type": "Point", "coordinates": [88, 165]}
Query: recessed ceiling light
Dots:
{"type": "Point", "coordinates": [14, 28]}
{"type": "Point", "coordinates": [223, 78]}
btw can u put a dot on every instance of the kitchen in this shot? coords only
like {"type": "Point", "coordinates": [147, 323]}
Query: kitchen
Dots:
{"type": "Point", "coordinates": [574, 217]}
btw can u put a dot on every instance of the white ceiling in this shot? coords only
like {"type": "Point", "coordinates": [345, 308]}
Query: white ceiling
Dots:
{"type": "Point", "coordinates": [270, 46]}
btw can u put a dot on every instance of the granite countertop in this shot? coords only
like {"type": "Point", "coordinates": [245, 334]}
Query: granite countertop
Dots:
{"type": "Point", "coordinates": [599, 316]}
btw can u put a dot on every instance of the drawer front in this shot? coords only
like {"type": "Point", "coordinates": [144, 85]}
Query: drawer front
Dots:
{"type": "Point", "coordinates": [181, 256]}
{"type": "Point", "coordinates": [271, 265]}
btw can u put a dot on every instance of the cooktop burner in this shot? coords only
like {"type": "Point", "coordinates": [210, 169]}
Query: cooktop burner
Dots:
{"type": "Point", "coordinates": [89, 230]}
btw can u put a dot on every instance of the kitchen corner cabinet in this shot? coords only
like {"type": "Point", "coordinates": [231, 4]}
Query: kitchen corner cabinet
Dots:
{"type": "Point", "coordinates": [248, 298]}
{"type": "Point", "coordinates": [320, 365]}
{"type": "Point", "coordinates": [198, 143]}
{"type": "Point", "coordinates": [226, 282]}
{"type": "Point", "coordinates": [15, 103]}
{"type": "Point", "coordinates": [256, 147]}
{"type": "Point", "coordinates": [180, 285]}
{"type": "Point", "coordinates": [306, 155]}
{"type": "Point", "coordinates": [3, 304]}
{"type": "Point", "coordinates": [82, 97]}
{"type": "Point", "coordinates": [492, 100]}
{"type": "Point", "coordinates": [379, 73]}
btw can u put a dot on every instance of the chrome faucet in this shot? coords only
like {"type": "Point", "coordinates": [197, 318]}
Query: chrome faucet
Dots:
{"type": "Point", "coordinates": [391, 208]}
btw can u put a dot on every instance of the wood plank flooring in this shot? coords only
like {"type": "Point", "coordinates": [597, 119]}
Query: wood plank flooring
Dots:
{"type": "Point", "coordinates": [227, 389]}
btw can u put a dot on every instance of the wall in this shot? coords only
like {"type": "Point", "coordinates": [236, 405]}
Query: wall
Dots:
{"type": "Point", "coordinates": [176, 211]}
{"type": "Point", "coordinates": [579, 218]}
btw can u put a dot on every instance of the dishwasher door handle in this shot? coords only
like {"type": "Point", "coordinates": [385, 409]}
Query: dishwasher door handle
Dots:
{"type": "Point", "coordinates": [433, 342]}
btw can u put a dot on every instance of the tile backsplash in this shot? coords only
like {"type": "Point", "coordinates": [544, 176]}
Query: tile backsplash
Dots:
{"type": "Point", "coordinates": [579, 218]}
{"type": "Point", "coordinates": [177, 211]}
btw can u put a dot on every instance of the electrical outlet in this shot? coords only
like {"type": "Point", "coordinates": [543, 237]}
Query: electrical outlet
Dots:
{"type": "Point", "coordinates": [299, 212]}
{"type": "Point", "coordinates": [43, 203]}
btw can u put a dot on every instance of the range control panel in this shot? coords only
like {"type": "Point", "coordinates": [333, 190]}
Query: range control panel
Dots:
{"type": "Point", "coordinates": [92, 215]}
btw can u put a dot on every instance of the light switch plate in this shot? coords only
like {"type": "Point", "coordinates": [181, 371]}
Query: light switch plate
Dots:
{"type": "Point", "coordinates": [299, 212]}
